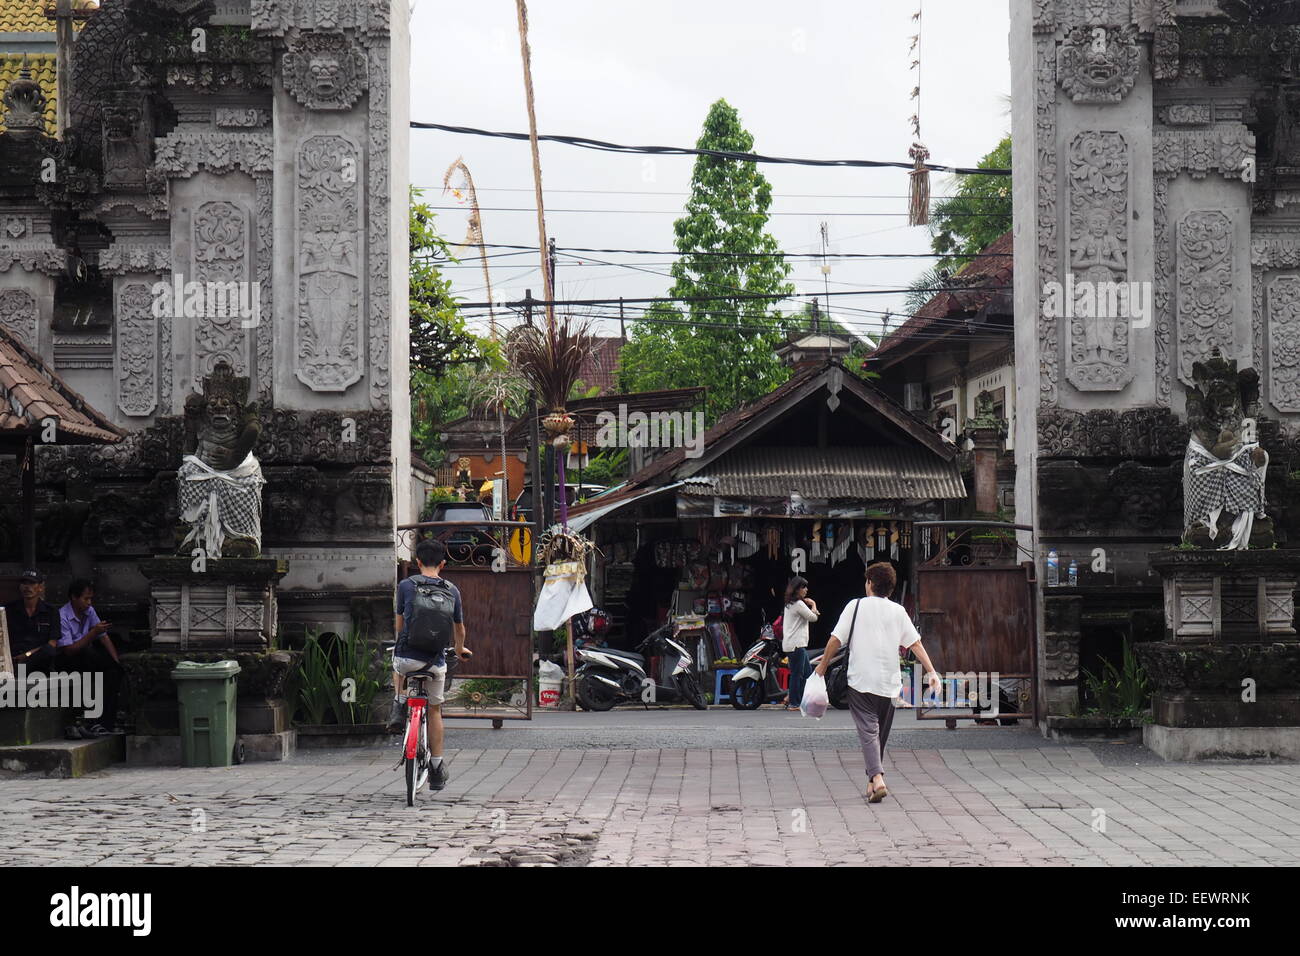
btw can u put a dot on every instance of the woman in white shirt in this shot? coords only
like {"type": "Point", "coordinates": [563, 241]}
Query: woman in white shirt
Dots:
{"type": "Point", "coordinates": [800, 609]}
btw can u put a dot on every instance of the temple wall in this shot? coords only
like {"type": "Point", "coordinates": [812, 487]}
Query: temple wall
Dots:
{"type": "Point", "coordinates": [1136, 134]}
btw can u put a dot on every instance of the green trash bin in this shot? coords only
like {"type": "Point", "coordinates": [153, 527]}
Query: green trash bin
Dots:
{"type": "Point", "coordinates": [207, 699]}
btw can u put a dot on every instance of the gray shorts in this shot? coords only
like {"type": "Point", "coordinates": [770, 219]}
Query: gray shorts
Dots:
{"type": "Point", "coordinates": [434, 685]}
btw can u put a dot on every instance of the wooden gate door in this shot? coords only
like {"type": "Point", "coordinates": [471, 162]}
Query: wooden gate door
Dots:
{"type": "Point", "coordinates": [496, 589]}
{"type": "Point", "coordinates": [976, 611]}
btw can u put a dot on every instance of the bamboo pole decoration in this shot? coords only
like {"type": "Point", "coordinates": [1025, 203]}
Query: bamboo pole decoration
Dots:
{"type": "Point", "coordinates": [537, 162]}
{"type": "Point", "coordinates": [918, 190]}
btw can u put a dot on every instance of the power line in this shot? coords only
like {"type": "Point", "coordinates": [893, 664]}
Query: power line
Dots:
{"type": "Point", "coordinates": [597, 144]}
{"type": "Point", "coordinates": [679, 212]}
{"type": "Point", "coordinates": [720, 297]}
{"type": "Point", "coordinates": [671, 192]}
{"type": "Point", "coordinates": [764, 255]}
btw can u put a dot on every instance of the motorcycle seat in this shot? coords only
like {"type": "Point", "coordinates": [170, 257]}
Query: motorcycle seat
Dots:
{"type": "Point", "coordinates": [613, 652]}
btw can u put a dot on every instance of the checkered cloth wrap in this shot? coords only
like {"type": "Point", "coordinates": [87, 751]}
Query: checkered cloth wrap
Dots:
{"type": "Point", "coordinates": [220, 503]}
{"type": "Point", "coordinates": [1212, 486]}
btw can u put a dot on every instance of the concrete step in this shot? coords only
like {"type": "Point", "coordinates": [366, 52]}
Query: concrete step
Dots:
{"type": "Point", "coordinates": [64, 758]}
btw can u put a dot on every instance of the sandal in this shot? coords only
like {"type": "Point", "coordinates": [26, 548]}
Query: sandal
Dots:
{"type": "Point", "coordinates": [876, 794]}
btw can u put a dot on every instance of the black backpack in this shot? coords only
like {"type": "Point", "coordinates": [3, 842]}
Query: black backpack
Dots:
{"type": "Point", "coordinates": [433, 609]}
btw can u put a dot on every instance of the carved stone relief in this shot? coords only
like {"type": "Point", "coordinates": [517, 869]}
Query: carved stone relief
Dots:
{"type": "Point", "coordinates": [123, 257]}
{"type": "Point", "coordinates": [328, 342]}
{"type": "Point", "coordinates": [184, 154]}
{"type": "Point", "coordinates": [1162, 292]}
{"type": "Point", "coordinates": [1204, 296]}
{"type": "Point", "coordinates": [379, 308]}
{"type": "Point", "coordinates": [19, 315]}
{"type": "Point", "coordinates": [136, 354]}
{"type": "Point", "coordinates": [1047, 232]}
{"type": "Point", "coordinates": [226, 118]}
{"type": "Point", "coordinates": [276, 16]}
{"type": "Point", "coordinates": [1099, 64]}
{"type": "Point", "coordinates": [324, 71]}
{"type": "Point", "coordinates": [265, 338]}
{"type": "Point", "coordinates": [1222, 149]}
{"type": "Point", "coordinates": [1098, 333]}
{"type": "Point", "coordinates": [1284, 343]}
{"type": "Point", "coordinates": [220, 244]}
{"type": "Point", "coordinates": [127, 140]}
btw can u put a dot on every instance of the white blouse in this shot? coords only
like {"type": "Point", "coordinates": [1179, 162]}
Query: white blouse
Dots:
{"type": "Point", "coordinates": [794, 626]}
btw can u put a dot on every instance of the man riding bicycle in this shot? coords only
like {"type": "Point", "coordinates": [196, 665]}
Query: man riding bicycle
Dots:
{"type": "Point", "coordinates": [431, 604]}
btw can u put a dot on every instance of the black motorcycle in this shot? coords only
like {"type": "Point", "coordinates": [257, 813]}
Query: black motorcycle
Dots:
{"type": "Point", "coordinates": [607, 677]}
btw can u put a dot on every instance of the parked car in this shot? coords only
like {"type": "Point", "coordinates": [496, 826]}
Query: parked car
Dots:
{"type": "Point", "coordinates": [575, 494]}
{"type": "Point", "coordinates": [465, 543]}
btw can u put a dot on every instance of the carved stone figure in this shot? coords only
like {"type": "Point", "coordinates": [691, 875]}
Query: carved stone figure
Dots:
{"type": "Point", "coordinates": [220, 481]}
{"type": "Point", "coordinates": [1205, 288]}
{"type": "Point", "coordinates": [1099, 64]}
{"type": "Point", "coordinates": [325, 71]}
{"type": "Point", "coordinates": [18, 315]}
{"type": "Point", "coordinates": [127, 137]}
{"type": "Point", "coordinates": [24, 104]}
{"type": "Point", "coordinates": [1223, 471]}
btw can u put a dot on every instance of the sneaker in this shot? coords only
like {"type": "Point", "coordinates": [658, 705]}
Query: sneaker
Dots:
{"type": "Point", "coordinates": [438, 776]}
{"type": "Point", "coordinates": [397, 718]}
{"type": "Point", "coordinates": [97, 730]}
{"type": "Point", "coordinates": [76, 732]}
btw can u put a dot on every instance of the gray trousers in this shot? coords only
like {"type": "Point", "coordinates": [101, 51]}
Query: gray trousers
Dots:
{"type": "Point", "coordinates": [872, 715]}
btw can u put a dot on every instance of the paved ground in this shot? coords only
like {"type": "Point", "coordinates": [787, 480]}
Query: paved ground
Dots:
{"type": "Point", "coordinates": [1020, 800]}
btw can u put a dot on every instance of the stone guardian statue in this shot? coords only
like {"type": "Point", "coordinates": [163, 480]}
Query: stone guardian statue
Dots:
{"type": "Point", "coordinates": [220, 481]}
{"type": "Point", "coordinates": [1224, 469]}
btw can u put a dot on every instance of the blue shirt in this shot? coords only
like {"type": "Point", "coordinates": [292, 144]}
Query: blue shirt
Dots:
{"type": "Point", "coordinates": [405, 595]}
{"type": "Point", "coordinates": [73, 628]}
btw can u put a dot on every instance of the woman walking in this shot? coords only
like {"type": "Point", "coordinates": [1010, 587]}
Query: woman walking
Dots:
{"type": "Point", "coordinates": [800, 610]}
{"type": "Point", "coordinates": [874, 628]}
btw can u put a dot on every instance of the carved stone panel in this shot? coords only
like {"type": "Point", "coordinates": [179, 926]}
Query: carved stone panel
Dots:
{"type": "Point", "coordinates": [328, 329]}
{"type": "Point", "coordinates": [1284, 343]}
{"type": "Point", "coordinates": [1098, 329]}
{"type": "Point", "coordinates": [1045, 141]}
{"type": "Point", "coordinates": [18, 316]}
{"type": "Point", "coordinates": [1204, 288]}
{"type": "Point", "coordinates": [1099, 64]}
{"type": "Point", "coordinates": [324, 71]}
{"type": "Point", "coordinates": [135, 360]}
{"type": "Point", "coordinates": [220, 243]}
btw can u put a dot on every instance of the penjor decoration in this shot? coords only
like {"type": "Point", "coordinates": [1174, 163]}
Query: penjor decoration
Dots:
{"type": "Point", "coordinates": [918, 192]}
{"type": "Point", "coordinates": [220, 481]}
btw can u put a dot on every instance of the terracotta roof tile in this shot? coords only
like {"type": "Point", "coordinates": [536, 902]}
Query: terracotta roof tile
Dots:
{"type": "Point", "coordinates": [30, 393]}
{"type": "Point", "coordinates": [601, 368]}
{"type": "Point", "coordinates": [28, 16]}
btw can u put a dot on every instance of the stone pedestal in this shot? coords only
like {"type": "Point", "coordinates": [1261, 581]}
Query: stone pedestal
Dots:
{"type": "Point", "coordinates": [230, 603]}
{"type": "Point", "coordinates": [1228, 595]}
{"type": "Point", "coordinates": [1226, 678]}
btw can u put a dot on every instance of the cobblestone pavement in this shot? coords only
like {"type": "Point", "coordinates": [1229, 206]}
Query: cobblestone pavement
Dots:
{"type": "Point", "coordinates": [610, 807]}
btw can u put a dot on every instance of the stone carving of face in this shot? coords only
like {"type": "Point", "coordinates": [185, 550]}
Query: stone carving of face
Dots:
{"type": "Point", "coordinates": [221, 411]}
{"type": "Point", "coordinates": [1098, 223]}
{"type": "Point", "coordinates": [1101, 67]}
{"type": "Point", "coordinates": [326, 74]}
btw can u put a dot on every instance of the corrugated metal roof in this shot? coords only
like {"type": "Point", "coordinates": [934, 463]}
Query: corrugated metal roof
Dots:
{"type": "Point", "coordinates": [861, 474]}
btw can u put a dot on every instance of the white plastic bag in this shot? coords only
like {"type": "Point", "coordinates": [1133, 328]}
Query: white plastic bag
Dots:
{"type": "Point", "coordinates": [815, 700]}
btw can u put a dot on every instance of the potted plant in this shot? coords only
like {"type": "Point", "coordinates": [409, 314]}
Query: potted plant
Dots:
{"type": "Point", "coordinates": [337, 683]}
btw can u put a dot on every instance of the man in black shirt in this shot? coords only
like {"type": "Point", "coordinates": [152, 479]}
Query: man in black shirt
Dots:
{"type": "Point", "coordinates": [33, 624]}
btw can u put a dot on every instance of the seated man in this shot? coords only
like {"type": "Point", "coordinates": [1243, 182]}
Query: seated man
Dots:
{"type": "Point", "coordinates": [84, 645]}
{"type": "Point", "coordinates": [33, 624]}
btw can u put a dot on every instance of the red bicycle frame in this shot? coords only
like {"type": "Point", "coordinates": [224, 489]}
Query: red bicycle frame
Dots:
{"type": "Point", "coordinates": [415, 706]}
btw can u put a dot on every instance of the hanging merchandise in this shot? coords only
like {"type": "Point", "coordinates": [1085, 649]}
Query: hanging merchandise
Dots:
{"type": "Point", "coordinates": [746, 542]}
{"type": "Point", "coordinates": [816, 553]}
{"type": "Point", "coordinates": [830, 542]}
{"type": "Point", "coordinates": [893, 540]}
{"type": "Point", "coordinates": [663, 554]}
{"type": "Point", "coordinates": [843, 542]}
{"type": "Point", "coordinates": [871, 543]}
{"type": "Point", "coordinates": [882, 540]}
{"type": "Point", "coordinates": [772, 535]}
{"type": "Point", "coordinates": [906, 538]}
{"type": "Point", "coordinates": [861, 535]}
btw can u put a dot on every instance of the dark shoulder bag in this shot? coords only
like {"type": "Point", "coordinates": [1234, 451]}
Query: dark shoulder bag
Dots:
{"type": "Point", "coordinates": [837, 679]}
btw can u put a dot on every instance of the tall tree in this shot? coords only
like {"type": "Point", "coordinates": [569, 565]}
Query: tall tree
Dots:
{"type": "Point", "coordinates": [976, 214]}
{"type": "Point", "coordinates": [724, 341]}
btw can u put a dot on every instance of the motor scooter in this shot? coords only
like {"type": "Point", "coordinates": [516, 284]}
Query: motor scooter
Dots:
{"type": "Point", "coordinates": [755, 683]}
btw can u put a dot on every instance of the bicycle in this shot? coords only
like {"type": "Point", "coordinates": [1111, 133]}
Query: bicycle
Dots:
{"type": "Point", "coordinates": [415, 737]}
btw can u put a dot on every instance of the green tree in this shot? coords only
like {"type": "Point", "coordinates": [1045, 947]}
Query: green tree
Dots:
{"type": "Point", "coordinates": [726, 342]}
{"type": "Point", "coordinates": [978, 213]}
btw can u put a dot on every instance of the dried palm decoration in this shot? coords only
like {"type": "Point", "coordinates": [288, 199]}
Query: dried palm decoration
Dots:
{"type": "Point", "coordinates": [918, 191]}
{"type": "Point", "coordinates": [551, 358]}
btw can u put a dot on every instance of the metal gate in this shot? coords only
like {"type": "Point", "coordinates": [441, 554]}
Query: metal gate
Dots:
{"type": "Point", "coordinates": [975, 589]}
{"type": "Point", "coordinates": [496, 585]}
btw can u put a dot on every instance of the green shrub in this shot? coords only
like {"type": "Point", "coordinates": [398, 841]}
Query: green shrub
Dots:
{"type": "Point", "coordinates": [339, 678]}
{"type": "Point", "coordinates": [1119, 692]}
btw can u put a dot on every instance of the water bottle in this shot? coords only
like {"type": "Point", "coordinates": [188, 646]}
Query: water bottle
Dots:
{"type": "Point", "coordinates": [1074, 573]}
{"type": "Point", "coordinates": [1053, 568]}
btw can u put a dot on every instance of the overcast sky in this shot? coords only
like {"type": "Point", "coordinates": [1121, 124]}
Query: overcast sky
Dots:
{"type": "Point", "coordinates": [818, 79]}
